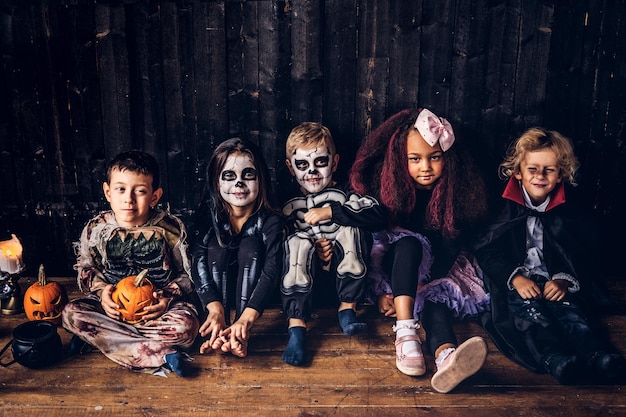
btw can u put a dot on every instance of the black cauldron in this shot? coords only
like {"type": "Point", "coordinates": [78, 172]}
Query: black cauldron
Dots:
{"type": "Point", "coordinates": [36, 344]}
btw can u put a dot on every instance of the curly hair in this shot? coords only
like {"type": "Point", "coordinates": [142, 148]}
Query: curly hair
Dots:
{"type": "Point", "coordinates": [535, 139]}
{"type": "Point", "coordinates": [381, 169]}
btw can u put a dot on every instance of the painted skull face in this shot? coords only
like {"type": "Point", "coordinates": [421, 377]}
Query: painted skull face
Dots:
{"type": "Point", "coordinates": [313, 168]}
{"type": "Point", "coordinates": [239, 185]}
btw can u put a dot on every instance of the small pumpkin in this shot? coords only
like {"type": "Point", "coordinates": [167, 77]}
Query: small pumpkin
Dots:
{"type": "Point", "coordinates": [132, 294]}
{"type": "Point", "coordinates": [44, 300]}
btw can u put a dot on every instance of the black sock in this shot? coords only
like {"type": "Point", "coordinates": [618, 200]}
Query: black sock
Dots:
{"type": "Point", "coordinates": [295, 351]}
{"type": "Point", "coordinates": [349, 323]}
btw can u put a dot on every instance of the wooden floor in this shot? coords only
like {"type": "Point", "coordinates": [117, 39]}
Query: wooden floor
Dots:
{"type": "Point", "coordinates": [347, 376]}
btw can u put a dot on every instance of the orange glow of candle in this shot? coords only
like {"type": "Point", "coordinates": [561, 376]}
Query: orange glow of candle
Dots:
{"type": "Point", "coordinates": [11, 256]}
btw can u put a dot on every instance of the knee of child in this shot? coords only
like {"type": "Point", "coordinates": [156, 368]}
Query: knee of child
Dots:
{"type": "Point", "coordinates": [186, 330]}
{"type": "Point", "coordinates": [186, 336]}
{"type": "Point", "coordinates": [409, 244]}
{"type": "Point", "coordinates": [70, 309]}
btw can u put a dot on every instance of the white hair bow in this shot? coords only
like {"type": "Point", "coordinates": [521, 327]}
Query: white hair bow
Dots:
{"type": "Point", "coordinates": [434, 129]}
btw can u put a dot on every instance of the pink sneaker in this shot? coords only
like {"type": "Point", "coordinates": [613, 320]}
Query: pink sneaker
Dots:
{"type": "Point", "coordinates": [455, 365]}
{"type": "Point", "coordinates": [412, 362]}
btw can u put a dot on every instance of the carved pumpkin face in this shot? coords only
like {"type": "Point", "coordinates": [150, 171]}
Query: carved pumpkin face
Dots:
{"type": "Point", "coordinates": [132, 294]}
{"type": "Point", "coordinates": [44, 300]}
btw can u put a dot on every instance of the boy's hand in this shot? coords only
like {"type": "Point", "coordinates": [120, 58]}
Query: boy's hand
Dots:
{"type": "Point", "coordinates": [212, 326]}
{"type": "Point", "coordinates": [316, 215]}
{"type": "Point", "coordinates": [526, 288]}
{"type": "Point", "coordinates": [386, 306]}
{"type": "Point", "coordinates": [172, 290]}
{"type": "Point", "coordinates": [156, 310]}
{"type": "Point", "coordinates": [106, 301]}
{"type": "Point", "coordinates": [324, 249]}
{"type": "Point", "coordinates": [556, 289]}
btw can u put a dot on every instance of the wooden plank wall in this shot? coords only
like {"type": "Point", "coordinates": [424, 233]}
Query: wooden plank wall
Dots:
{"type": "Point", "coordinates": [81, 81]}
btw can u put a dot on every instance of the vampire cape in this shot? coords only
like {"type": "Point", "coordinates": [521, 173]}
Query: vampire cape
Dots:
{"type": "Point", "coordinates": [570, 246]}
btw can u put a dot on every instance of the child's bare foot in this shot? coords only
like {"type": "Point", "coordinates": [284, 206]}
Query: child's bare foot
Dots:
{"type": "Point", "coordinates": [222, 345]}
{"type": "Point", "coordinates": [205, 347]}
{"type": "Point", "coordinates": [239, 348]}
{"type": "Point", "coordinates": [217, 347]}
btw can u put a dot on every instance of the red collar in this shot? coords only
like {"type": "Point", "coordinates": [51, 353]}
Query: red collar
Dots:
{"type": "Point", "coordinates": [513, 192]}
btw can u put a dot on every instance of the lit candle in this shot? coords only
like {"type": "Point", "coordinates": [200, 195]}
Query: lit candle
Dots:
{"type": "Point", "coordinates": [11, 256]}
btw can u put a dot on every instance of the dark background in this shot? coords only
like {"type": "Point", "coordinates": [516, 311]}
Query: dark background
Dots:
{"type": "Point", "coordinates": [81, 81]}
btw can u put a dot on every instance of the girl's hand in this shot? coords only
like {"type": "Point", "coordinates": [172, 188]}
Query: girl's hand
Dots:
{"type": "Point", "coordinates": [235, 337]}
{"type": "Point", "coordinates": [316, 215]}
{"type": "Point", "coordinates": [526, 288]}
{"type": "Point", "coordinates": [386, 306]}
{"type": "Point", "coordinates": [106, 301]}
{"type": "Point", "coordinates": [324, 249]}
{"type": "Point", "coordinates": [212, 326]}
{"type": "Point", "coordinates": [556, 289]}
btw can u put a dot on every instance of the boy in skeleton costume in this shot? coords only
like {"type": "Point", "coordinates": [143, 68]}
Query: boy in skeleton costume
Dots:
{"type": "Point", "coordinates": [329, 230]}
{"type": "Point", "coordinates": [121, 242]}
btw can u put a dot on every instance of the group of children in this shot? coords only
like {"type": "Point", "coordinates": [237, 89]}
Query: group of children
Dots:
{"type": "Point", "coordinates": [410, 230]}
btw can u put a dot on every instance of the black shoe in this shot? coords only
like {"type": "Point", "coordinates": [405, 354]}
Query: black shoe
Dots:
{"type": "Point", "coordinates": [78, 347]}
{"type": "Point", "coordinates": [607, 367]}
{"type": "Point", "coordinates": [566, 369]}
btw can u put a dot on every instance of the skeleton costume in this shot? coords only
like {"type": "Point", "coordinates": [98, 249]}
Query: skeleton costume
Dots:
{"type": "Point", "coordinates": [107, 253]}
{"type": "Point", "coordinates": [352, 216]}
{"type": "Point", "coordinates": [239, 269]}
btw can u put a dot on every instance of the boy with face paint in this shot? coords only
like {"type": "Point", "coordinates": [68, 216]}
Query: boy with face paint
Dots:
{"type": "Point", "coordinates": [328, 230]}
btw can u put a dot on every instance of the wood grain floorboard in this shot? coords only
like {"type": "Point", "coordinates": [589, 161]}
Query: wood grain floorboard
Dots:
{"type": "Point", "coordinates": [346, 376]}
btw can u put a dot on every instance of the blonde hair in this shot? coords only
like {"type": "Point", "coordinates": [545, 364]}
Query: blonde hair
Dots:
{"type": "Point", "coordinates": [308, 135]}
{"type": "Point", "coordinates": [535, 139]}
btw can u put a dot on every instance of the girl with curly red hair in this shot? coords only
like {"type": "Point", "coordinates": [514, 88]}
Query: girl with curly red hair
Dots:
{"type": "Point", "coordinates": [434, 197]}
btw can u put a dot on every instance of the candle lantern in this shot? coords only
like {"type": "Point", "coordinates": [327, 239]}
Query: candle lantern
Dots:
{"type": "Point", "coordinates": [11, 265]}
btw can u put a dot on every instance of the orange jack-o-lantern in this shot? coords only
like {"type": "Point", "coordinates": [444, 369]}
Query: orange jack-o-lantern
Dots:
{"type": "Point", "coordinates": [44, 300]}
{"type": "Point", "coordinates": [132, 294]}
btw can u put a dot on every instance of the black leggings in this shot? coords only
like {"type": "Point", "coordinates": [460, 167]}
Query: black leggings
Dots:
{"type": "Point", "coordinates": [403, 260]}
{"type": "Point", "coordinates": [437, 322]}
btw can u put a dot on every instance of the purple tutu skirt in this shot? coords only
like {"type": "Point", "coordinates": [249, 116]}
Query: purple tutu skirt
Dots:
{"type": "Point", "coordinates": [462, 290]}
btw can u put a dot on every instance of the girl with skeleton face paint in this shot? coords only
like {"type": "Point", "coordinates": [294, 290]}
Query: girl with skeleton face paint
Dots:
{"type": "Point", "coordinates": [239, 185]}
{"type": "Point", "coordinates": [237, 248]}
